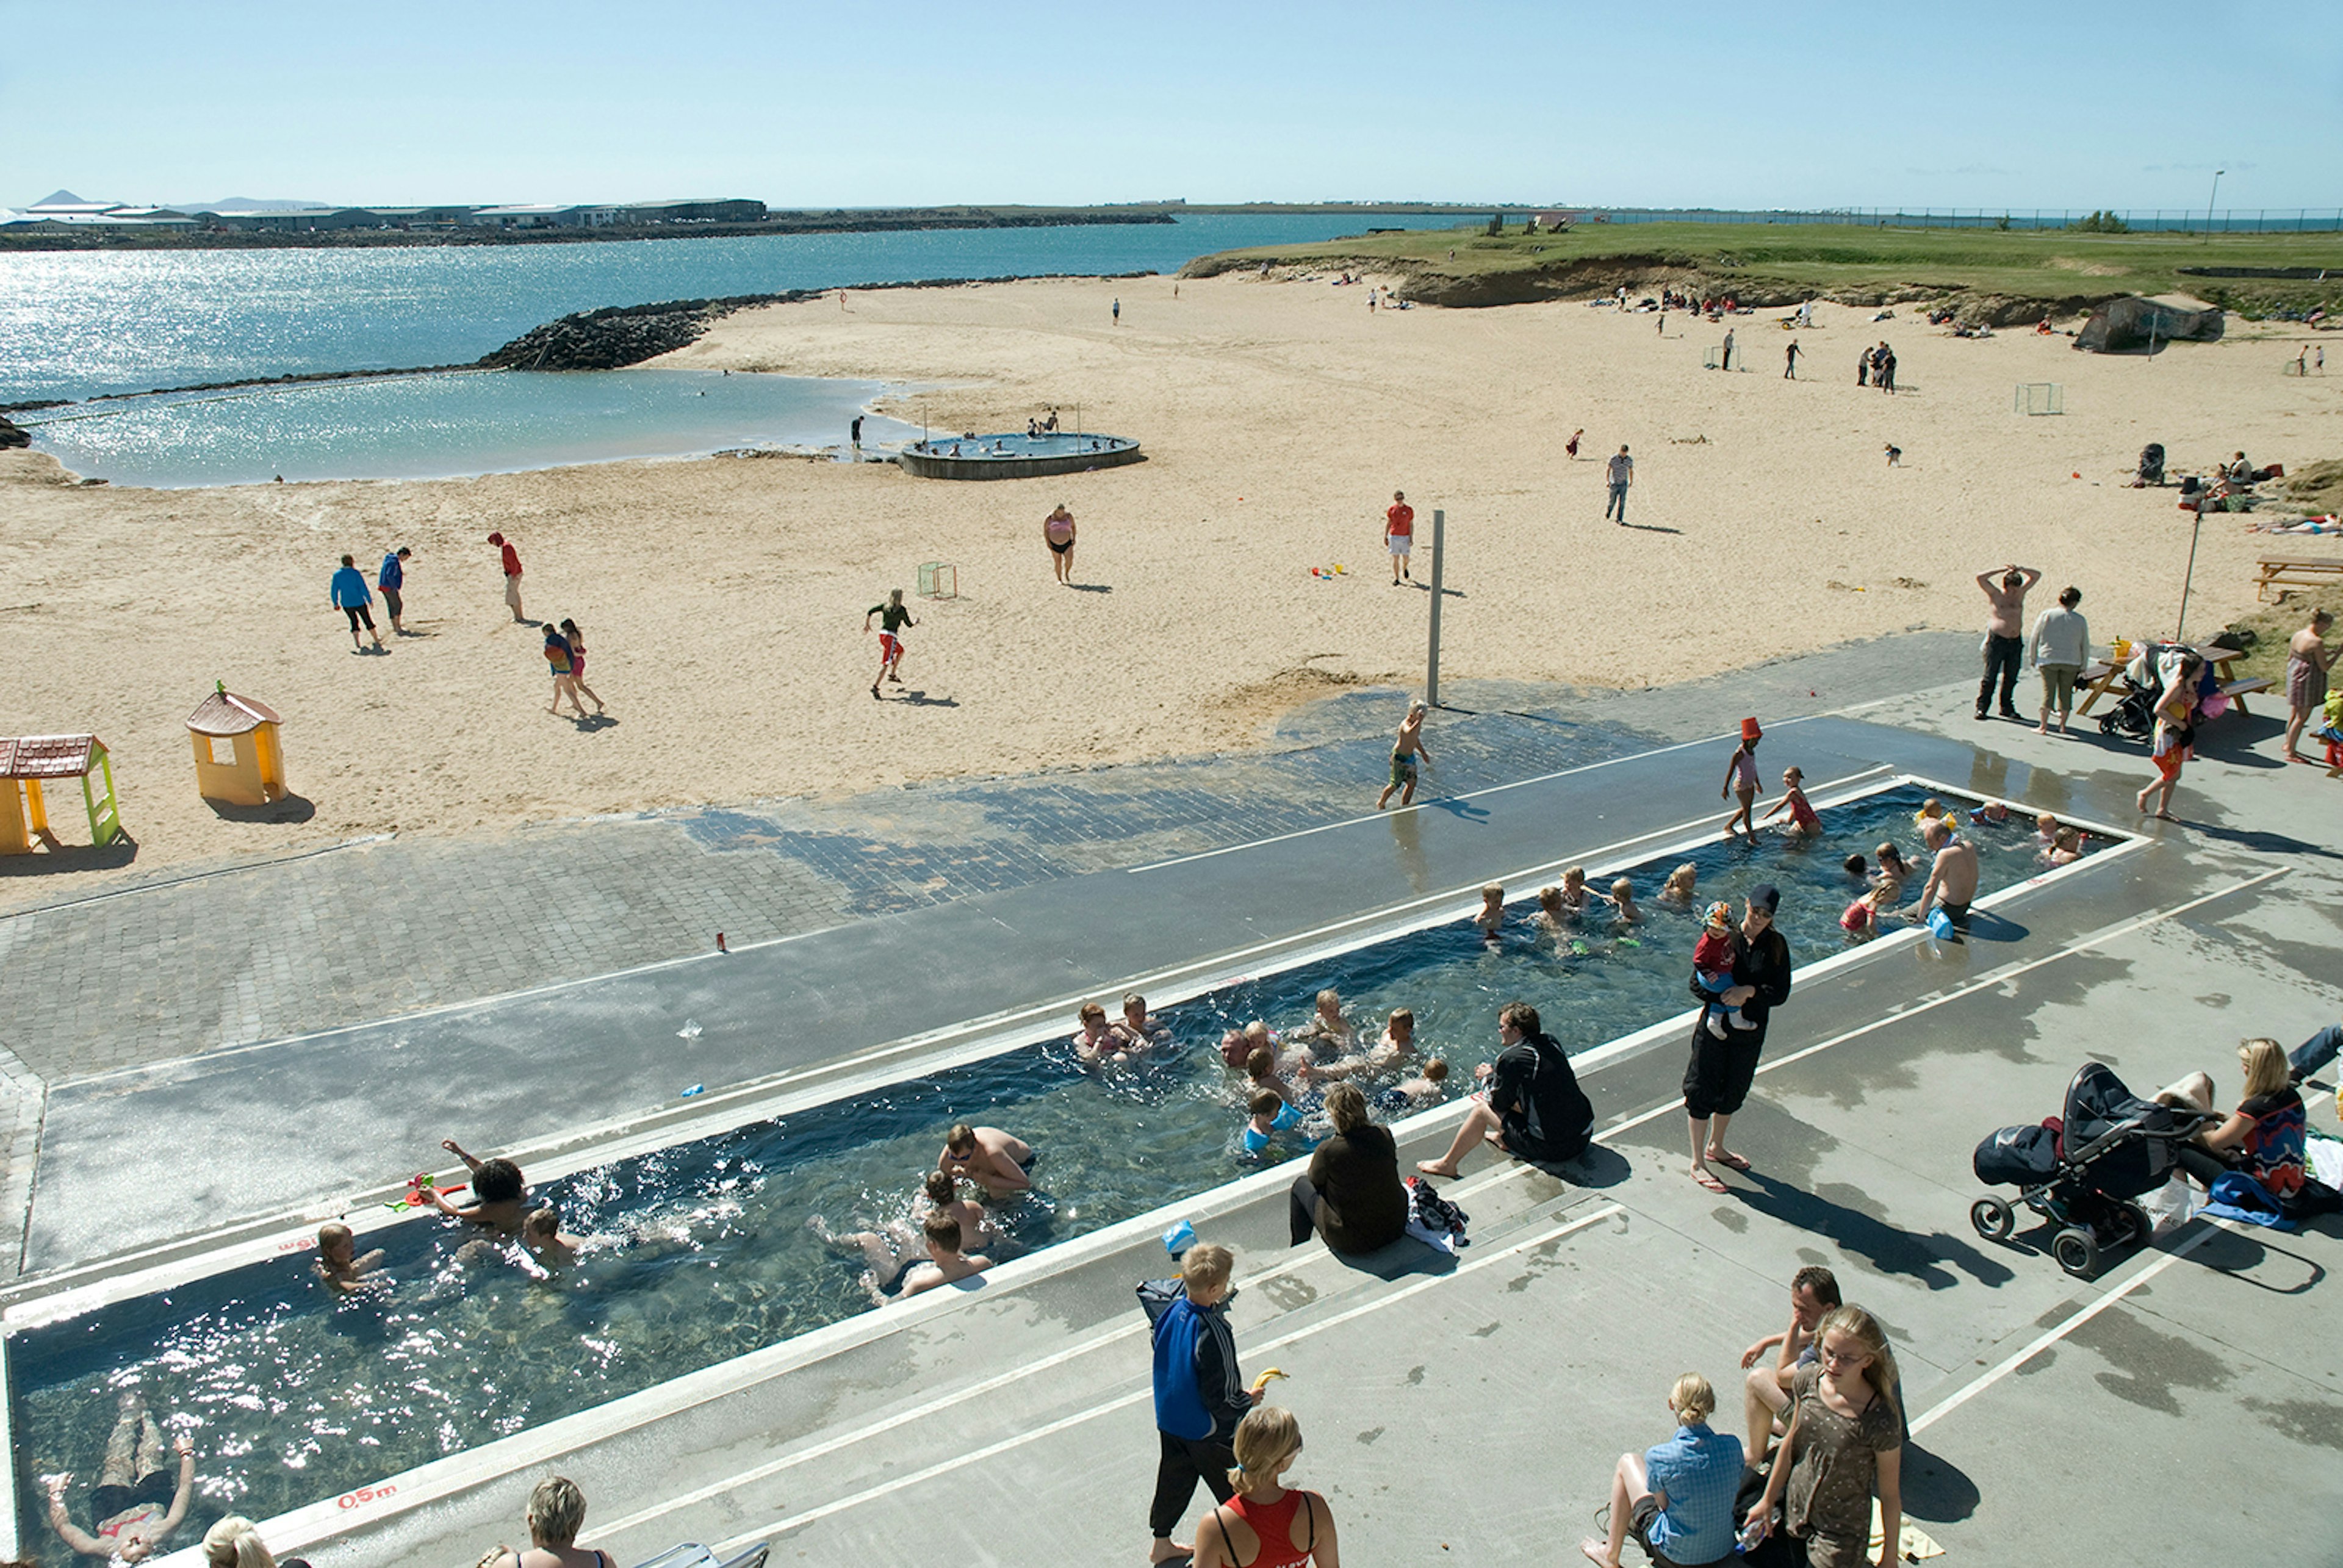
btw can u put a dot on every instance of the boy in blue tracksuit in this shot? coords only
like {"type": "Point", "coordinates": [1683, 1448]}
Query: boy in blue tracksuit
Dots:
{"type": "Point", "coordinates": [1200, 1396]}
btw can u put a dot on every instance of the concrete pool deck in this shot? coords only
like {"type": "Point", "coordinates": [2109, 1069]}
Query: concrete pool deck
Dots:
{"type": "Point", "coordinates": [2196, 1372]}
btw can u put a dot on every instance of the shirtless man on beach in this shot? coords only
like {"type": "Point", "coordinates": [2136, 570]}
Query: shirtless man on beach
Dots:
{"type": "Point", "coordinates": [1405, 749]}
{"type": "Point", "coordinates": [2004, 636]}
{"type": "Point", "coordinates": [989, 1157]}
{"type": "Point", "coordinates": [1952, 876]}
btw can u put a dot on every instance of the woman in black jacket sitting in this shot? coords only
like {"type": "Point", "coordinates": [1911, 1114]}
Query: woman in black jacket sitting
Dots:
{"type": "Point", "coordinates": [1351, 1194]}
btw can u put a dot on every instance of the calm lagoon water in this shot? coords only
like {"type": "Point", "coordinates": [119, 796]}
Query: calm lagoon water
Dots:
{"type": "Point", "coordinates": [76, 324]}
{"type": "Point", "coordinates": [431, 427]}
{"type": "Point", "coordinates": [702, 1251]}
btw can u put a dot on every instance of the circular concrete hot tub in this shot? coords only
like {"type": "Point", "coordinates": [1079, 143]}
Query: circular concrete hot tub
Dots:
{"type": "Point", "coordinates": [1015, 456]}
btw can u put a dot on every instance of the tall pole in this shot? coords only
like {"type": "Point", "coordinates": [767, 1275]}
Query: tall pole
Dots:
{"type": "Point", "coordinates": [1432, 673]}
{"type": "Point", "coordinates": [2208, 205]}
{"type": "Point", "coordinates": [2180, 631]}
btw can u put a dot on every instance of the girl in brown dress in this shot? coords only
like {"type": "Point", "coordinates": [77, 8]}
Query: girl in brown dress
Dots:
{"type": "Point", "coordinates": [1844, 1442]}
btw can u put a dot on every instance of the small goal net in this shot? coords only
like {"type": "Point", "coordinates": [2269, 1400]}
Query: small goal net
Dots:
{"type": "Point", "coordinates": [2039, 397]}
{"type": "Point", "coordinates": [939, 579]}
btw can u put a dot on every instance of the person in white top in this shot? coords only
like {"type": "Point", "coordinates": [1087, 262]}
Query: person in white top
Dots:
{"type": "Point", "coordinates": [1622, 473]}
{"type": "Point", "coordinates": [2061, 642]}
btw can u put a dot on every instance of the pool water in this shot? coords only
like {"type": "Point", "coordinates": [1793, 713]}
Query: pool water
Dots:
{"type": "Point", "coordinates": [702, 1251]}
{"type": "Point", "coordinates": [1056, 444]}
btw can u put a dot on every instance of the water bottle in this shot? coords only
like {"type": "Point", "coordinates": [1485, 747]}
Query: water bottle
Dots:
{"type": "Point", "coordinates": [1751, 1534]}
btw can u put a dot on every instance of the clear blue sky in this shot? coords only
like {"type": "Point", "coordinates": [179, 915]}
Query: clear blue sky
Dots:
{"type": "Point", "coordinates": [2082, 104]}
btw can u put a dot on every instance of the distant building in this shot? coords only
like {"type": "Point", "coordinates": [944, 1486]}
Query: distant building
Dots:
{"type": "Point", "coordinates": [64, 208]}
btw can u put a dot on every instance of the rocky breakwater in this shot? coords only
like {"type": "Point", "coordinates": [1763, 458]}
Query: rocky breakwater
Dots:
{"type": "Point", "coordinates": [622, 335]}
{"type": "Point", "coordinates": [13, 435]}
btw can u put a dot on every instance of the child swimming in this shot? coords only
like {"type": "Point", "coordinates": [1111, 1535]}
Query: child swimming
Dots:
{"type": "Point", "coordinates": [1238, 1045]}
{"type": "Point", "coordinates": [2046, 828]}
{"type": "Point", "coordinates": [342, 1272]}
{"type": "Point", "coordinates": [1931, 811]}
{"type": "Point", "coordinates": [2066, 848]}
{"type": "Point", "coordinates": [1712, 964]}
{"type": "Point", "coordinates": [540, 1233]}
{"type": "Point", "coordinates": [1741, 779]}
{"type": "Point", "coordinates": [1261, 1067]}
{"type": "Point", "coordinates": [1270, 1115]}
{"type": "Point", "coordinates": [1095, 1041]}
{"type": "Point", "coordinates": [1990, 811]}
{"type": "Point", "coordinates": [1680, 884]}
{"type": "Point", "coordinates": [1802, 821]}
{"type": "Point", "coordinates": [1429, 1086]}
{"type": "Point", "coordinates": [1856, 871]}
{"type": "Point", "coordinates": [1621, 900]}
{"type": "Point", "coordinates": [1492, 918]}
{"type": "Point", "coordinates": [1329, 1032]}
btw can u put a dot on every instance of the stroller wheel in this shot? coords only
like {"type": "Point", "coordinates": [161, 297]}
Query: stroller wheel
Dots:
{"type": "Point", "coordinates": [2132, 1225]}
{"type": "Point", "coordinates": [1993, 1219]}
{"type": "Point", "coordinates": [2108, 725]}
{"type": "Point", "coordinates": [2076, 1251]}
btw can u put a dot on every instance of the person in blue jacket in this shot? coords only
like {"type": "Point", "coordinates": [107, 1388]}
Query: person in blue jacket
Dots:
{"type": "Point", "coordinates": [1200, 1396]}
{"type": "Point", "coordinates": [392, 579]}
{"type": "Point", "coordinates": [351, 596]}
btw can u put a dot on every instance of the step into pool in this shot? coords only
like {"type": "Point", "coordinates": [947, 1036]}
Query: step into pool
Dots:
{"type": "Point", "coordinates": [703, 1250]}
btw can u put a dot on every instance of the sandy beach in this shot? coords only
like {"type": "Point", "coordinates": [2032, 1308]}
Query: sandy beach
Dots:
{"type": "Point", "coordinates": [723, 598]}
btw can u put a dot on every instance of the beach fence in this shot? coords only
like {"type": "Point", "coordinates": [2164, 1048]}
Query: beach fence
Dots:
{"type": "Point", "coordinates": [939, 579]}
{"type": "Point", "coordinates": [2039, 397]}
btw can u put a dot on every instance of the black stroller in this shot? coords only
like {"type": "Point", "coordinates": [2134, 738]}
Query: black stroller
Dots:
{"type": "Point", "coordinates": [2084, 1171]}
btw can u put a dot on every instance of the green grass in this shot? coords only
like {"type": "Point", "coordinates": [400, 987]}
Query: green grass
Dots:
{"type": "Point", "coordinates": [1771, 263]}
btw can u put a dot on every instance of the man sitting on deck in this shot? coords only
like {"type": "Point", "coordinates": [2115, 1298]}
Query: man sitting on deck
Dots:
{"type": "Point", "coordinates": [1533, 1108]}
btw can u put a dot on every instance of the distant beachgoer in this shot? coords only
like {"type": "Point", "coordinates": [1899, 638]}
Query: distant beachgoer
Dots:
{"type": "Point", "coordinates": [351, 596]}
{"type": "Point", "coordinates": [565, 682]}
{"type": "Point", "coordinates": [1057, 533]}
{"type": "Point", "coordinates": [854, 432]}
{"type": "Point", "coordinates": [1531, 1108]}
{"type": "Point", "coordinates": [1802, 821]}
{"type": "Point", "coordinates": [1399, 535]}
{"type": "Point", "coordinates": [1000, 1164]}
{"type": "Point", "coordinates": [1405, 749]}
{"type": "Point", "coordinates": [392, 579]}
{"type": "Point", "coordinates": [1725, 361]}
{"type": "Point", "coordinates": [1741, 779]}
{"type": "Point", "coordinates": [1951, 882]}
{"type": "Point", "coordinates": [577, 641]}
{"type": "Point", "coordinates": [1118, 311]}
{"type": "Point", "coordinates": [511, 558]}
{"type": "Point", "coordinates": [2005, 633]}
{"type": "Point", "coordinates": [500, 1196]}
{"type": "Point", "coordinates": [2307, 660]}
{"type": "Point", "coordinates": [1717, 1077]}
{"type": "Point", "coordinates": [1886, 370]}
{"type": "Point", "coordinates": [337, 1265]}
{"type": "Point", "coordinates": [2061, 642]}
{"type": "Point", "coordinates": [1895, 456]}
{"type": "Point", "coordinates": [1570, 448]}
{"type": "Point", "coordinates": [136, 1504]}
{"type": "Point", "coordinates": [557, 1511]}
{"type": "Point", "coordinates": [892, 618]}
{"type": "Point", "coordinates": [1621, 472]}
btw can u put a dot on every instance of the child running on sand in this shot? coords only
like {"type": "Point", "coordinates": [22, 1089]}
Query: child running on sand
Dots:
{"type": "Point", "coordinates": [892, 618]}
{"type": "Point", "coordinates": [1803, 823]}
{"type": "Point", "coordinates": [1492, 918]}
{"type": "Point", "coordinates": [1712, 964]}
{"type": "Point", "coordinates": [1741, 779]}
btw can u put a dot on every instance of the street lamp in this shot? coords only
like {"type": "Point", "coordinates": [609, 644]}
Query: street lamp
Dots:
{"type": "Point", "coordinates": [2209, 204]}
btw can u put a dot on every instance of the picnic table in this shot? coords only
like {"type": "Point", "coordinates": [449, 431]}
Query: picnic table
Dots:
{"type": "Point", "coordinates": [2104, 676]}
{"type": "Point", "coordinates": [2296, 573]}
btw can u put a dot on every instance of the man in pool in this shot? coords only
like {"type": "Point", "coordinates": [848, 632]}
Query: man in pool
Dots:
{"type": "Point", "coordinates": [1952, 876]}
{"type": "Point", "coordinates": [1000, 1164]}
{"type": "Point", "coordinates": [1405, 750]}
{"type": "Point", "coordinates": [136, 1504]}
{"type": "Point", "coordinates": [946, 1264]}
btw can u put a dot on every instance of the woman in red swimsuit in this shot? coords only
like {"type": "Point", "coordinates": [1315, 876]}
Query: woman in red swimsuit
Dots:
{"type": "Point", "coordinates": [1264, 1525]}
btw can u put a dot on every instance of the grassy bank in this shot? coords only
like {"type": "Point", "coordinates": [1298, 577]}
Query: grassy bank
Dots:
{"type": "Point", "coordinates": [1987, 273]}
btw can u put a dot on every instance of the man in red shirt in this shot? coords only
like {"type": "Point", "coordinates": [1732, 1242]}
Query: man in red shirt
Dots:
{"type": "Point", "coordinates": [1399, 535]}
{"type": "Point", "coordinates": [512, 575]}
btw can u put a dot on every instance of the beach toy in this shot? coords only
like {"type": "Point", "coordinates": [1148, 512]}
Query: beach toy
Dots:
{"type": "Point", "coordinates": [1629, 942]}
{"type": "Point", "coordinates": [1578, 946]}
{"type": "Point", "coordinates": [1179, 1238]}
{"type": "Point", "coordinates": [1940, 925]}
{"type": "Point", "coordinates": [695, 1089]}
{"type": "Point", "coordinates": [1269, 1375]}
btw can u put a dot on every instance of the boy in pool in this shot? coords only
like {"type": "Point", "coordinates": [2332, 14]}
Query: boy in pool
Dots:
{"type": "Point", "coordinates": [946, 1264]}
{"type": "Point", "coordinates": [1931, 811]}
{"type": "Point", "coordinates": [993, 1160]}
{"type": "Point", "coordinates": [1621, 900]}
{"type": "Point", "coordinates": [1330, 1033]}
{"type": "Point", "coordinates": [342, 1272]}
{"type": "Point", "coordinates": [1712, 963]}
{"type": "Point", "coordinates": [540, 1233]}
{"type": "Point", "coordinates": [1492, 918]}
{"type": "Point", "coordinates": [501, 1197]}
{"type": "Point", "coordinates": [1271, 1116]}
{"type": "Point", "coordinates": [1385, 1055]}
{"type": "Point", "coordinates": [1990, 811]}
{"type": "Point", "coordinates": [1095, 1041]}
{"type": "Point", "coordinates": [1260, 1069]}
{"type": "Point", "coordinates": [1741, 779]}
{"type": "Point", "coordinates": [1856, 871]}
{"type": "Point", "coordinates": [1803, 823]}
{"type": "Point", "coordinates": [2046, 828]}
{"type": "Point", "coordinates": [1140, 1029]}
{"type": "Point", "coordinates": [1429, 1086]}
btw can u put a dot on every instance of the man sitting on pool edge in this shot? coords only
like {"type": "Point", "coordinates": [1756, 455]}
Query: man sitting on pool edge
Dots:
{"type": "Point", "coordinates": [993, 1160]}
{"type": "Point", "coordinates": [1531, 1107]}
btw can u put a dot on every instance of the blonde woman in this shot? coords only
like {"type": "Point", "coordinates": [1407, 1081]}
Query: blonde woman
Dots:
{"type": "Point", "coordinates": [2265, 1137]}
{"type": "Point", "coordinates": [1676, 1496]}
{"type": "Point", "coordinates": [235, 1543]}
{"type": "Point", "coordinates": [557, 1511]}
{"type": "Point", "coordinates": [1844, 1444]}
{"type": "Point", "coordinates": [1263, 1524]}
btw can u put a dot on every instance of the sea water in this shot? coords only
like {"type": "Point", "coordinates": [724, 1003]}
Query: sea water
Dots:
{"type": "Point", "coordinates": [468, 422]}
{"type": "Point", "coordinates": [704, 1251]}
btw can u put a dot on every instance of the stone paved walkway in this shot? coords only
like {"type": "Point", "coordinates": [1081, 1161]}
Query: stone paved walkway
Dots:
{"type": "Point", "coordinates": [157, 969]}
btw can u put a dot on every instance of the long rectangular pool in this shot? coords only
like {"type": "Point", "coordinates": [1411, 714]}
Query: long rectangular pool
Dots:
{"type": "Point", "coordinates": [704, 1251]}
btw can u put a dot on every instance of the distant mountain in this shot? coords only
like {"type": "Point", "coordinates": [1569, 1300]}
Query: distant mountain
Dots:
{"type": "Point", "coordinates": [249, 204]}
{"type": "Point", "coordinates": [61, 198]}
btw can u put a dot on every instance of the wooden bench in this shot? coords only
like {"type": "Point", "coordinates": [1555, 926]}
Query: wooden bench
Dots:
{"type": "Point", "coordinates": [2296, 573]}
{"type": "Point", "coordinates": [2236, 690]}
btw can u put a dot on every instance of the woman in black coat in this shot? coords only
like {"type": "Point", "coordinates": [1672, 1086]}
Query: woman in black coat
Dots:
{"type": "Point", "coordinates": [1351, 1194]}
{"type": "Point", "coordinates": [1717, 1078]}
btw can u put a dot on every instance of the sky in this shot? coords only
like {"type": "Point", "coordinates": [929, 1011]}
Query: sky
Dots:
{"type": "Point", "coordinates": [1991, 104]}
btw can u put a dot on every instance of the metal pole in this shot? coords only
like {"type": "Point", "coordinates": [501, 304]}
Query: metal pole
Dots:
{"type": "Point", "coordinates": [2209, 204]}
{"type": "Point", "coordinates": [1431, 670]}
{"type": "Point", "coordinates": [2180, 630]}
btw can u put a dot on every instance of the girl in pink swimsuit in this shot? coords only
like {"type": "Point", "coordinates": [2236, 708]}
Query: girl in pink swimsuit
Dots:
{"type": "Point", "coordinates": [1803, 820]}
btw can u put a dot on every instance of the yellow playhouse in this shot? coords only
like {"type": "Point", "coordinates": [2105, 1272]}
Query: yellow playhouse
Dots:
{"type": "Point", "coordinates": [27, 760]}
{"type": "Point", "coordinates": [238, 758]}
